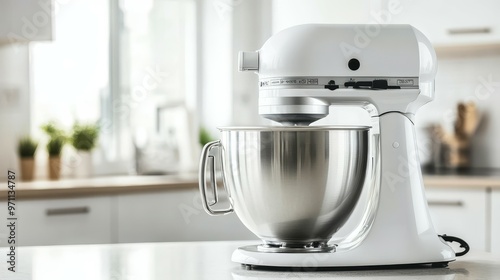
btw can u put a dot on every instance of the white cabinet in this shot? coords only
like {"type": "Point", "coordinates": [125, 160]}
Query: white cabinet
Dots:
{"type": "Point", "coordinates": [167, 216]}
{"type": "Point", "coordinates": [26, 20]}
{"type": "Point", "coordinates": [495, 222]}
{"type": "Point", "coordinates": [177, 215]}
{"type": "Point", "coordinates": [64, 221]}
{"type": "Point", "coordinates": [460, 213]}
{"type": "Point", "coordinates": [174, 215]}
{"type": "Point", "coordinates": [445, 23]}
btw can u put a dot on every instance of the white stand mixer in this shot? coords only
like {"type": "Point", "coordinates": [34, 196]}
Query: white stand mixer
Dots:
{"type": "Point", "coordinates": [388, 70]}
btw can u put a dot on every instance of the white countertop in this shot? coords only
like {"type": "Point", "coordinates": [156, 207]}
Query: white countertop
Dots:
{"type": "Point", "coordinates": [202, 260]}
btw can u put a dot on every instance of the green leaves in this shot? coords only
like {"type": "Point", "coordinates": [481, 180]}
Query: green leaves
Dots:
{"type": "Point", "coordinates": [204, 136]}
{"type": "Point", "coordinates": [53, 131]}
{"type": "Point", "coordinates": [84, 136]}
{"type": "Point", "coordinates": [55, 145]}
{"type": "Point", "coordinates": [27, 147]}
{"type": "Point", "coordinates": [57, 139]}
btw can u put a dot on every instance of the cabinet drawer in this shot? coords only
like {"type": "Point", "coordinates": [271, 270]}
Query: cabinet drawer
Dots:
{"type": "Point", "coordinates": [495, 222]}
{"type": "Point", "coordinates": [460, 213]}
{"type": "Point", "coordinates": [173, 216]}
{"type": "Point", "coordinates": [64, 221]}
{"type": "Point", "coordinates": [456, 28]}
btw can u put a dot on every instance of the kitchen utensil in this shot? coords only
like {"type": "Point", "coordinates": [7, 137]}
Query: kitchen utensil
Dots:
{"type": "Point", "coordinates": [453, 150]}
{"type": "Point", "coordinates": [467, 120]}
{"type": "Point", "coordinates": [388, 70]}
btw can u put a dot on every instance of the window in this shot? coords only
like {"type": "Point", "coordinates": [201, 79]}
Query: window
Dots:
{"type": "Point", "coordinates": [70, 73]}
{"type": "Point", "coordinates": [119, 63]}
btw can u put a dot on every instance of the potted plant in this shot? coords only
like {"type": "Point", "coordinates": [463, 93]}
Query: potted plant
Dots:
{"type": "Point", "coordinates": [54, 148]}
{"type": "Point", "coordinates": [84, 139]}
{"type": "Point", "coordinates": [57, 139]}
{"type": "Point", "coordinates": [26, 150]}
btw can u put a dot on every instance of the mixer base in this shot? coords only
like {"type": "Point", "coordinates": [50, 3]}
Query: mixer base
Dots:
{"type": "Point", "coordinates": [311, 247]}
{"type": "Point", "coordinates": [252, 257]}
{"type": "Point", "coordinates": [345, 268]}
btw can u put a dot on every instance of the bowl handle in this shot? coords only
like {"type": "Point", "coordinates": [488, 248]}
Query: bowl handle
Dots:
{"type": "Point", "coordinates": [206, 158]}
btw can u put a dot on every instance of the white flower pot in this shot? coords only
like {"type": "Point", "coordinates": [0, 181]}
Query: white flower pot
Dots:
{"type": "Point", "coordinates": [83, 165]}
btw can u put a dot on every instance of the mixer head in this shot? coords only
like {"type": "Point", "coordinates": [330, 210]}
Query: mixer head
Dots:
{"type": "Point", "coordinates": [305, 69]}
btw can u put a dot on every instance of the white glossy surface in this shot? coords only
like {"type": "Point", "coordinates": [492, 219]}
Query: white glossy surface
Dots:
{"type": "Point", "coordinates": [321, 50]}
{"type": "Point", "coordinates": [203, 260]}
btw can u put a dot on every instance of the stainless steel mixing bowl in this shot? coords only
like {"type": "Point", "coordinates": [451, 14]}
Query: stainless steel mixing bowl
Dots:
{"type": "Point", "coordinates": [291, 186]}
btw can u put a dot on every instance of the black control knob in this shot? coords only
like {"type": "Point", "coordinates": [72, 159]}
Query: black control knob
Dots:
{"type": "Point", "coordinates": [349, 84]}
{"type": "Point", "coordinates": [353, 64]}
{"type": "Point", "coordinates": [379, 84]}
{"type": "Point", "coordinates": [331, 85]}
{"type": "Point", "coordinates": [363, 84]}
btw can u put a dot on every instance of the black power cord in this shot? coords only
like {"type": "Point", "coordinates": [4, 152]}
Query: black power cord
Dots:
{"type": "Point", "coordinates": [462, 243]}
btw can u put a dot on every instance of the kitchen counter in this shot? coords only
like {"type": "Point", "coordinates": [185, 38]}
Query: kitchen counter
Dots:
{"type": "Point", "coordinates": [485, 178]}
{"type": "Point", "coordinates": [202, 260]}
{"type": "Point", "coordinates": [460, 181]}
{"type": "Point", "coordinates": [99, 186]}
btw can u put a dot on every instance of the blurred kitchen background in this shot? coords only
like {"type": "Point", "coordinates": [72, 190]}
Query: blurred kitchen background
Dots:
{"type": "Point", "coordinates": [149, 71]}
{"type": "Point", "coordinates": [158, 77]}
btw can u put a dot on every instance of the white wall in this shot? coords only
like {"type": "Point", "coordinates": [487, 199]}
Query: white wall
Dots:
{"type": "Point", "coordinates": [286, 13]}
{"type": "Point", "coordinates": [251, 28]}
{"type": "Point", "coordinates": [14, 103]}
{"type": "Point", "coordinates": [214, 82]}
{"type": "Point", "coordinates": [226, 96]}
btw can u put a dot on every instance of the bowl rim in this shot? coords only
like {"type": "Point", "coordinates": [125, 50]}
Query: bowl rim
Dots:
{"type": "Point", "coordinates": [294, 128]}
